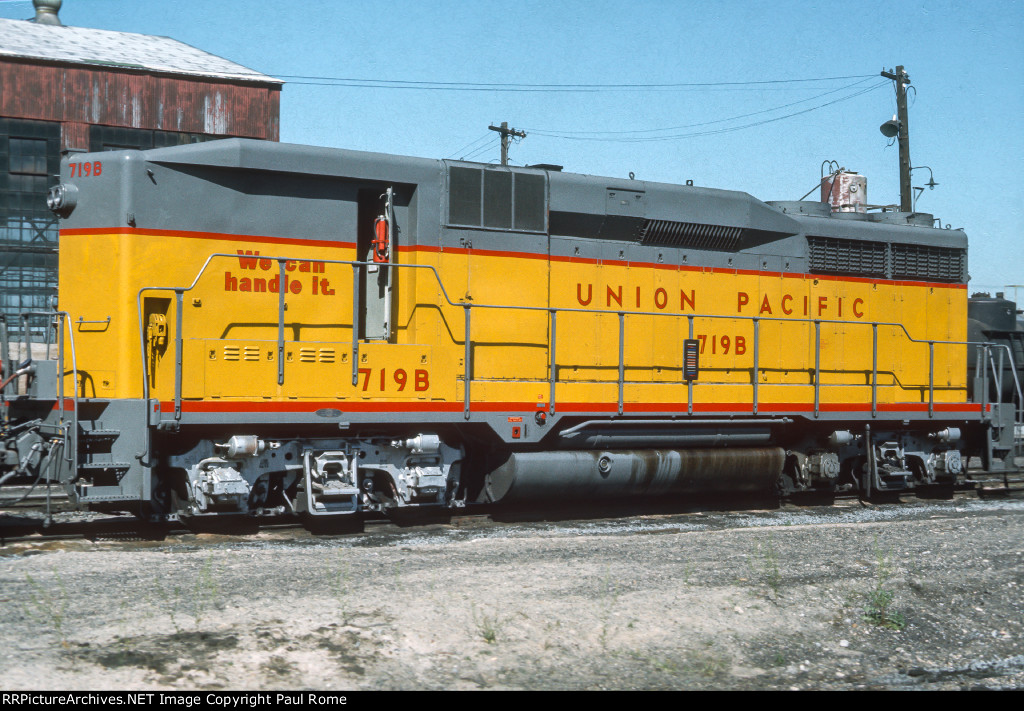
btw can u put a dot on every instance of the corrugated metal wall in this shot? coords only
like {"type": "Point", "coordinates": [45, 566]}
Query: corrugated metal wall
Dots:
{"type": "Point", "coordinates": [115, 97]}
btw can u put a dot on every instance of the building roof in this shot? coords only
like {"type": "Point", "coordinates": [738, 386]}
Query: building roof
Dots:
{"type": "Point", "coordinates": [117, 50]}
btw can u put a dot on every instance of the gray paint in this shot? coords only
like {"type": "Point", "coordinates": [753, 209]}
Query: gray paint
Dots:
{"type": "Point", "coordinates": [247, 187]}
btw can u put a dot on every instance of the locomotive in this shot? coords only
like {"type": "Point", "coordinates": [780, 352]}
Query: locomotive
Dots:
{"type": "Point", "coordinates": [254, 328]}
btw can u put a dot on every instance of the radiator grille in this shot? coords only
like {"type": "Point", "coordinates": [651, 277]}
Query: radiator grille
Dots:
{"type": "Point", "coordinates": [691, 234]}
{"type": "Point", "coordinates": [829, 255]}
{"type": "Point", "coordinates": [923, 261]}
{"type": "Point", "coordinates": [844, 256]}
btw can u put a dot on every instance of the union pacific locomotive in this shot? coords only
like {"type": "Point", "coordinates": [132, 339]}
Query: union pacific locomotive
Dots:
{"type": "Point", "coordinates": [256, 328]}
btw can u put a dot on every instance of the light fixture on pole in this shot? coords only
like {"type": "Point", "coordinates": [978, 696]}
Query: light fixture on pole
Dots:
{"type": "Point", "coordinates": [930, 184]}
{"type": "Point", "coordinates": [891, 128]}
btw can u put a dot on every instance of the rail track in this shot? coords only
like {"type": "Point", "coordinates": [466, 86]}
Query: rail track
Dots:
{"type": "Point", "coordinates": [30, 515]}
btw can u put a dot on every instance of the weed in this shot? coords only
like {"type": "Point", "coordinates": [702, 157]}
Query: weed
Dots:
{"type": "Point", "coordinates": [707, 662]}
{"type": "Point", "coordinates": [609, 601]}
{"type": "Point", "coordinates": [766, 566]}
{"type": "Point", "coordinates": [194, 601]}
{"type": "Point", "coordinates": [659, 663]}
{"type": "Point", "coordinates": [398, 575]}
{"type": "Point", "coordinates": [709, 665]}
{"type": "Point", "coordinates": [48, 606]}
{"type": "Point", "coordinates": [878, 608]}
{"type": "Point", "coordinates": [206, 591]}
{"type": "Point", "coordinates": [488, 626]}
{"type": "Point", "coordinates": [687, 572]}
{"type": "Point", "coordinates": [342, 589]}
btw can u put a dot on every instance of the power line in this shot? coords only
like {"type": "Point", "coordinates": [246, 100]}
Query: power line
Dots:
{"type": "Point", "coordinates": [730, 129]}
{"type": "Point", "coordinates": [401, 84]}
{"type": "Point", "coordinates": [478, 151]}
{"type": "Point", "coordinates": [544, 132]}
{"type": "Point", "coordinates": [470, 144]}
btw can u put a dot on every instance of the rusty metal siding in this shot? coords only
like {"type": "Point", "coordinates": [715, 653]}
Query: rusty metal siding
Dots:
{"type": "Point", "coordinates": [30, 91]}
{"type": "Point", "coordinates": [138, 100]}
{"type": "Point", "coordinates": [74, 136]}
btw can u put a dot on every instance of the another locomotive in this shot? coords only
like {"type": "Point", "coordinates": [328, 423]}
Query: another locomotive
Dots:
{"type": "Point", "coordinates": [258, 328]}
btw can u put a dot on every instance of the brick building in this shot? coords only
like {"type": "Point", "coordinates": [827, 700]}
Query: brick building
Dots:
{"type": "Point", "coordinates": [79, 89]}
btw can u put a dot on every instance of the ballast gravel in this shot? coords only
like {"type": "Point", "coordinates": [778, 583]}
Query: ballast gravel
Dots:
{"type": "Point", "coordinates": [922, 595]}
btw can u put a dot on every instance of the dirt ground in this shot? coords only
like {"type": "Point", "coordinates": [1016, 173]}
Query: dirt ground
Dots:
{"type": "Point", "coordinates": [916, 596]}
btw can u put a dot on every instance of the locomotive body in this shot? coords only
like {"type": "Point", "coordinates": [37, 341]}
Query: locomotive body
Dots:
{"type": "Point", "coordinates": [266, 328]}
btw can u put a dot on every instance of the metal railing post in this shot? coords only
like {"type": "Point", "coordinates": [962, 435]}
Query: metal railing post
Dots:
{"type": "Point", "coordinates": [817, 367]}
{"type": "Point", "coordinates": [355, 324]}
{"type": "Point", "coordinates": [553, 374]}
{"type": "Point", "coordinates": [999, 382]}
{"type": "Point", "coordinates": [757, 360]}
{"type": "Point", "coordinates": [874, 369]}
{"type": "Point", "coordinates": [689, 383]}
{"type": "Point", "coordinates": [281, 288]}
{"type": "Point", "coordinates": [983, 362]}
{"type": "Point", "coordinates": [60, 368]}
{"type": "Point", "coordinates": [931, 378]}
{"type": "Point", "coordinates": [468, 362]}
{"type": "Point", "coordinates": [179, 301]}
{"type": "Point", "coordinates": [997, 406]}
{"type": "Point", "coordinates": [622, 359]}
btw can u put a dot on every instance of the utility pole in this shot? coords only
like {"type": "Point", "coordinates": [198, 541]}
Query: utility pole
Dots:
{"type": "Point", "coordinates": [902, 80]}
{"type": "Point", "coordinates": [505, 132]}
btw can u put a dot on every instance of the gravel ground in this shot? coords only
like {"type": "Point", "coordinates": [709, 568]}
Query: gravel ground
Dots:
{"type": "Point", "coordinates": [913, 596]}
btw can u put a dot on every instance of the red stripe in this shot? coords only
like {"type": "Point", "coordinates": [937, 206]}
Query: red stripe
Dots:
{"type": "Point", "coordinates": [127, 231]}
{"type": "Point", "coordinates": [494, 253]}
{"type": "Point", "coordinates": [433, 406]}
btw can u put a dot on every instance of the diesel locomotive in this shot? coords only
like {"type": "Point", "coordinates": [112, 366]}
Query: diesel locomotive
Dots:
{"type": "Point", "coordinates": [253, 328]}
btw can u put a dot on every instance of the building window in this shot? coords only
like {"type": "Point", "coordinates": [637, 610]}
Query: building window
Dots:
{"type": "Point", "coordinates": [29, 163]}
{"type": "Point", "coordinates": [28, 156]}
{"type": "Point", "coordinates": [118, 138]}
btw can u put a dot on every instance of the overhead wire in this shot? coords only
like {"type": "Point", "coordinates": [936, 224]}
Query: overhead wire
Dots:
{"type": "Point", "coordinates": [542, 132]}
{"type": "Point", "coordinates": [354, 82]}
{"type": "Point", "coordinates": [470, 144]}
{"type": "Point", "coordinates": [729, 129]}
{"type": "Point", "coordinates": [478, 151]}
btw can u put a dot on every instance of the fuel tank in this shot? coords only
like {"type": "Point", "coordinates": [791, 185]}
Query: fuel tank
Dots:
{"type": "Point", "coordinates": [619, 474]}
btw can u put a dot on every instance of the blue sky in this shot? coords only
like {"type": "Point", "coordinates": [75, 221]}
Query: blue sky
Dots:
{"type": "Point", "coordinates": [965, 61]}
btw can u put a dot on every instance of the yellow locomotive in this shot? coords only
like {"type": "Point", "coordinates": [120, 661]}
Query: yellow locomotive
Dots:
{"type": "Point", "coordinates": [259, 328]}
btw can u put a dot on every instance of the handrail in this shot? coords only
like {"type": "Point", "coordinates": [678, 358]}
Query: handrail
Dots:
{"type": "Point", "coordinates": [553, 312]}
{"type": "Point", "coordinates": [70, 447]}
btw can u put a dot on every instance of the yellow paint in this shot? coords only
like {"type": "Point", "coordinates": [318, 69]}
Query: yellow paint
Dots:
{"type": "Point", "coordinates": [230, 334]}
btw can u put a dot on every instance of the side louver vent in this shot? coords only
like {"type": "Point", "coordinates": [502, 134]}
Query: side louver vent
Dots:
{"type": "Point", "coordinates": [691, 234]}
{"type": "Point", "coordinates": [891, 261]}
{"type": "Point", "coordinates": [844, 256]}
{"type": "Point", "coordinates": [922, 261]}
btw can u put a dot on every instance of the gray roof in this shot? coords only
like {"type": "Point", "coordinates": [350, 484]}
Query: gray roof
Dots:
{"type": "Point", "coordinates": [123, 50]}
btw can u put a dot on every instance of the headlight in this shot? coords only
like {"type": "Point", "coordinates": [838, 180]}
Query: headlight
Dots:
{"type": "Point", "coordinates": [62, 199]}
